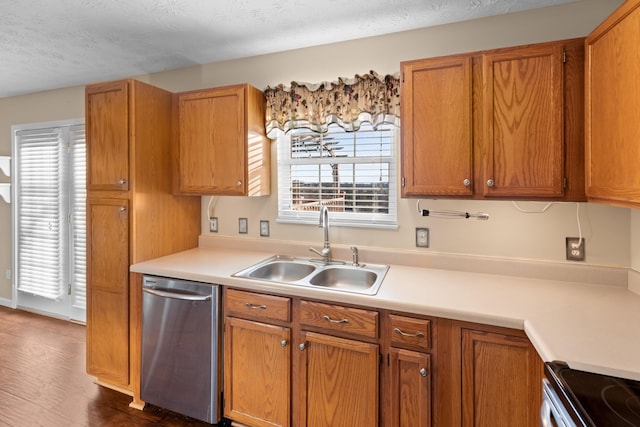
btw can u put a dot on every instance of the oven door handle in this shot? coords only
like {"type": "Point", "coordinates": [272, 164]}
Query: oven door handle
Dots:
{"type": "Point", "coordinates": [176, 295]}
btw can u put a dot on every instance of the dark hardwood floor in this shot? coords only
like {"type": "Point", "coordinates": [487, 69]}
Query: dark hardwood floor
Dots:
{"type": "Point", "coordinates": [43, 380]}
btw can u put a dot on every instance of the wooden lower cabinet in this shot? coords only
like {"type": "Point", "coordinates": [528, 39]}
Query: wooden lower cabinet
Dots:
{"type": "Point", "coordinates": [410, 388]}
{"type": "Point", "coordinates": [257, 369]}
{"type": "Point", "coordinates": [501, 380]}
{"type": "Point", "coordinates": [108, 295]}
{"type": "Point", "coordinates": [295, 362]}
{"type": "Point", "coordinates": [339, 381]}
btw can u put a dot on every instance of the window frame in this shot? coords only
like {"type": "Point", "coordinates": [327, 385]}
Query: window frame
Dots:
{"type": "Point", "coordinates": [348, 219]}
{"type": "Point", "coordinates": [71, 203]}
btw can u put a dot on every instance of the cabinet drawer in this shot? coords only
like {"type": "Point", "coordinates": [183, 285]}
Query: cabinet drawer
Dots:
{"type": "Point", "coordinates": [408, 331]}
{"type": "Point", "coordinates": [338, 318]}
{"type": "Point", "coordinates": [241, 303]}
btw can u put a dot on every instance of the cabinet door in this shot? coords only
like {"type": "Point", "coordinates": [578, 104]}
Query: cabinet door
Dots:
{"type": "Point", "coordinates": [410, 388]}
{"type": "Point", "coordinates": [257, 364]}
{"type": "Point", "coordinates": [436, 127]}
{"type": "Point", "coordinates": [212, 146]}
{"type": "Point", "coordinates": [107, 119]}
{"type": "Point", "coordinates": [501, 380]}
{"type": "Point", "coordinates": [613, 108]}
{"type": "Point", "coordinates": [108, 289]}
{"type": "Point", "coordinates": [339, 382]}
{"type": "Point", "coordinates": [523, 139]}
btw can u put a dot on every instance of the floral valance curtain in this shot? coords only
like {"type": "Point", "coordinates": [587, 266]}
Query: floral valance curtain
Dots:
{"type": "Point", "coordinates": [347, 102]}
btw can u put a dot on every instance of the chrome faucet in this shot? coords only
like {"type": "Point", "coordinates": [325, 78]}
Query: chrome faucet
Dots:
{"type": "Point", "coordinates": [324, 223]}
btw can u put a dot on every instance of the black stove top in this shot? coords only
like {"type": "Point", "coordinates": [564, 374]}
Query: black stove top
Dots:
{"type": "Point", "coordinates": [596, 400]}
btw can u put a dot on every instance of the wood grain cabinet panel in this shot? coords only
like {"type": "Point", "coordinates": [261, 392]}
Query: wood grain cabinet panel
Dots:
{"type": "Point", "coordinates": [222, 147]}
{"type": "Point", "coordinates": [107, 128]}
{"type": "Point", "coordinates": [523, 121]}
{"type": "Point", "coordinates": [410, 390]}
{"type": "Point", "coordinates": [339, 381]}
{"type": "Point", "coordinates": [108, 293]}
{"type": "Point", "coordinates": [502, 123]}
{"type": "Point", "coordinates": [336, 318]}
{"type": "Point", "coordinates": [253, 305]}
{"type": "Point", "coordinates": [613, 108]}
{"type": "Point", "coordinates": [437, 139]}
{"type": "Point", "coordinates": [501, 380]}
{"type": "Point", "coordinates": [257, 368]}
{"type": "Point", "coordinates": [131, 217]}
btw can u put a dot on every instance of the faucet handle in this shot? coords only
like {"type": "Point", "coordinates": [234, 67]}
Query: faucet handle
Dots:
{"type": "Point", "coordinates": [354, 255]}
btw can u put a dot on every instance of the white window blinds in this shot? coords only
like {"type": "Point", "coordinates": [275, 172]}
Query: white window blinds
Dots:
{"type": "Point", "coordinates": [352, 173]}
{"type": "Point", "coordinates": [50, 194]}
{"type": "Point", "coordinates": [78, 151]}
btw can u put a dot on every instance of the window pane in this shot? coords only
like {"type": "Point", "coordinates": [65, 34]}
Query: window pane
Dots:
{"type": "Point", "coordinates": [352, 173]}
{"type": "Point", "coordinates": [40, 219]}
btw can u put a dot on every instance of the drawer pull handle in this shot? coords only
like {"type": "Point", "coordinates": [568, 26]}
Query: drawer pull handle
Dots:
{"type": "Point", "coordinates": [329, 319]}
{"type": "Point", "coordinates": [404, 334]}
{"type": "Point", "coordinates": [255, 307]}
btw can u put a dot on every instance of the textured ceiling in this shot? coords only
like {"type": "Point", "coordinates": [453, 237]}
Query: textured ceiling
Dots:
{"type": "Point", "coordinates": [47, 44]}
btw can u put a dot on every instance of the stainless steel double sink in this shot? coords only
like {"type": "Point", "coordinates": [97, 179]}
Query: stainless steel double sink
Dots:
{"type": "Point", "coordinates": [335, 275]}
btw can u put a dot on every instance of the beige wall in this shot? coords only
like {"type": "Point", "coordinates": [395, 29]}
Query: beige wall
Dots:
{"type": "Point", "coordinates": [508, 233]}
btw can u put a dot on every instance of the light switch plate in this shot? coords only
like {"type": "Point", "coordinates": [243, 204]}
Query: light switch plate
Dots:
{"type": "Point", "coordinates": [264, 228]}
{"type": "Point", "coordinates": [243, 225]}
{"type": "Point", "coordinates": [422, 237]}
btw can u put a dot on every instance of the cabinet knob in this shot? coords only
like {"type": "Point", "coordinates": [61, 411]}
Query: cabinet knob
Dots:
{"type": "Point", "coordinates": [490, 183]}
{"type": "Point", "coordinates": [238, 183]}
{"type": "Point", "coordinates": [122, 181]}
{"type": "Point", "coordinates": [301, 347]}
{"type": "Point", "coordinates": [123, 209]}
{"type": "Point", "coordinates": [283, 343]}
{"type": "Point", "coordinates": [423, 372]}
{"type": "Point", "coordinates": [466, 182]}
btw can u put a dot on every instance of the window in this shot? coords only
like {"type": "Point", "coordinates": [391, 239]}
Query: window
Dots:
{"type": "Point", "coordinates": [49, 211]}
{"type": "Point", "coordinates": [352, 173]}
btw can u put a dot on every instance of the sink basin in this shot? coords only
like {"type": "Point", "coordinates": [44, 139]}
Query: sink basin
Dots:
{"type": "Point", "coordinates": [313, 273]}
{"type": "Point", "coordinates": [349, 278]}
{"type": "Point", "coordinates": [282, 271]}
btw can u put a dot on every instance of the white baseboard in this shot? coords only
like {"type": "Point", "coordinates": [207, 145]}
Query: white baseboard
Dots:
{"type": "Point", "coordinates": [7, 303]}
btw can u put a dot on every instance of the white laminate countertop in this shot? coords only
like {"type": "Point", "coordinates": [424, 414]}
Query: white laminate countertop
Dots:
{"type": "Point", "coordinates": [591, 327]}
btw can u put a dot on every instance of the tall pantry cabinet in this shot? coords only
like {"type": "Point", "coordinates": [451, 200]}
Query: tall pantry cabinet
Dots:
{"type": "Point", "coordinates": [132, 216]}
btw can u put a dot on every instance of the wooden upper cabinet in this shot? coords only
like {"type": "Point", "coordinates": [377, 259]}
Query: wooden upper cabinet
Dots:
{"type": "Point", "coordinates": [503, 123]}
{"type": "Point", "coordinates": [613, 109]}
{"type": "Point", "coordinates": [222, 147]}
{"type": "Point", "coordinates": [437, 143]}
{"type": "Point", "coordinates": [523, 121]}
{"type": "Point", "coordinates": [107, 124]}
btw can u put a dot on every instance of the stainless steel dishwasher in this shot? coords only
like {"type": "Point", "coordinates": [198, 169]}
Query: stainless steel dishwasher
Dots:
{"type": "Point", "coordinates": [180, 347]}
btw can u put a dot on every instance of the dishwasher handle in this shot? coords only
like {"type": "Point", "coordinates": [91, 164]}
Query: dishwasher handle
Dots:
{"type": "Point", "coordinates": [177, 295]}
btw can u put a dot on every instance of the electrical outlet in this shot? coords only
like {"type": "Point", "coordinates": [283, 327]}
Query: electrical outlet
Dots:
{"type": "Point", "coordinates": [213, 224]}
{"type": "Point", "coordinates": [8, 274]}
{"type": "Point", "coordinates": [264, 228]}
{"type": "Point", "coordinates": [243, 225]}
{"type": "Point", "coordinates": [422, 237]}
{"type": "Point", "coordinates": [575, 249]}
